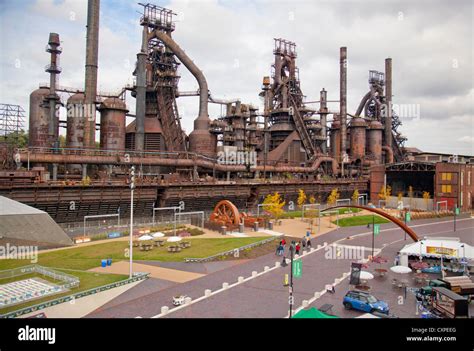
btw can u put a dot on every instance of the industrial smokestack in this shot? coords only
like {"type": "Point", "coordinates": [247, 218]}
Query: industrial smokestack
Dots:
{"type": "Point", "coordinates": [388, 102]}
{"type": "Point", "coordinates": [140, 107]}
{"type": "Point", "coordinates": [323, 110]}
{"type": "Point", "coordinates": [53, 99]}
{"type": "Point", "coordinates": [92, 54]}
{"type": "Point", "coordinates": [343, 99]}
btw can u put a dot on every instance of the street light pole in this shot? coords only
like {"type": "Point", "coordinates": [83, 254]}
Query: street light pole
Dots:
{"type": "Point", "coordinates": [373, 235]}
{"type": "Point", "coordinates": [132, 187]}
{"type": "Point", "coordinates": [292, 254]}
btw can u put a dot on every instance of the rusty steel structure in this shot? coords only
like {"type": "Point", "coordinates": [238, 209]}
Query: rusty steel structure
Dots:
{"type": "Point", "coordinates": [288, 138]}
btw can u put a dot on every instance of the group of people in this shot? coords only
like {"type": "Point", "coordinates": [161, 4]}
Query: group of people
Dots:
{"type": "Point", "coordinates": [306, 242]}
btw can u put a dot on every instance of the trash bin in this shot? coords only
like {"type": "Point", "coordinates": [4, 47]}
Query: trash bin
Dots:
{"type": "Point", "coordinates": [103, 263]}
{"type": "Point", "coordinates": [109, 262]}
{"type": "Point", "coordinates": [223, 230]}
{"type": "Point", "coordinates": [241, 228]}
{"type": "Point", "coordinates": [255, 226]}
{"type": "Point", "coordinates": [270, 225]}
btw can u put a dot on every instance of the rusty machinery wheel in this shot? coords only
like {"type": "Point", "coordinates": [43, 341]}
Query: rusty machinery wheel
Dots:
{"type": "Point", "coordinates": [226, 213]}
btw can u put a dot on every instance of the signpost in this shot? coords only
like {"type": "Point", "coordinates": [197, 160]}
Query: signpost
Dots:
{"type": "Point", "coordinates": [407, 219]}
{"type": "Point", "coordinates": [375, 231]}
{"type": "Point", "coordinates": [297, 268]}
{"type": "Point", "coordinates": [456, 213]}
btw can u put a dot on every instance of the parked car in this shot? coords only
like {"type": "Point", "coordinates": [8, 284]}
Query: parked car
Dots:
{"type": "Point", "coordinates": [363, 301]}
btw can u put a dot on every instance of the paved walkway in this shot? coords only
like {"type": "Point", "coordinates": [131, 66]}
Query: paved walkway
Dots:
{"type": "Point", "coordinates": [78, 308]}
{"type": "Point", "coordinates": [266, 296]}
{"type": "Point", "coordinates": [123, 267]}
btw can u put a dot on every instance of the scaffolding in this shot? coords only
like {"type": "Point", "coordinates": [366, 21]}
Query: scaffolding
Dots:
{"type": "Point", "coordinates": [12, 119]}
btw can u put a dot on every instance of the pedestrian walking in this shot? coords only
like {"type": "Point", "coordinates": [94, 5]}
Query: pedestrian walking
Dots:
{"type": "Point", "coordinates": [297, 248]}
{"type": "Point", "coordinates": [304, 243]}
{"type": "Point", "coordinates": [309, 243]}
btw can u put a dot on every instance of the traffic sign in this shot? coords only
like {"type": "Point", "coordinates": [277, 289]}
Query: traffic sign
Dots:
{"type": "Point", "coordinates": [407, 217]}
{"type": "Point", "coordinates": [376, 229]}
{"type": "Point", "coordinates": [297, 268]}
{"type": "Point", "coordinates": [457, 211]}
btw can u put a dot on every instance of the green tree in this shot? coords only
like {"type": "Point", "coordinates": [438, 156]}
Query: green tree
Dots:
{"type": "Point", "coordinates": [18, 139]}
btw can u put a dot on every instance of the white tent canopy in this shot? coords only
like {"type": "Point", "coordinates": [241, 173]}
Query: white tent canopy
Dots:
{"type": "Point", "coordinates": [145, 237]}
{"type": "Point", "coordinates": [364, 275]}
{"type": "Point", "coordinates": [437, 247]}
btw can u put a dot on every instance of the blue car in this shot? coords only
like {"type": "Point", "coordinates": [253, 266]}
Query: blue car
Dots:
{"type": "Point", "coordinates": [363, 301]}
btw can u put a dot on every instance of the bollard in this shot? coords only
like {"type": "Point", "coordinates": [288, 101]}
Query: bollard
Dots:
{"type": "Point", "coordinates": [277, 264]}
{"type": "Point", "coordinates": [240, 279]}
{"type": "Point", "coordinates": [207, 292]}
{"type": "Point", "coordinates": [164, 309]}
{"type": "Point", "coordinates": [317, 295]}
{"type": "Point", "coordinates": [319, 247]}
{"type": "Point", "coordinates": [305, 303]}
{"type": "Point", "coordinates": [312, 249]}
{"type": "Point", "coordinates": [266, 268]}
{"type": "Point", "coordinates": [187, 300]}
{"type": "Point", "coordinates": [325, 244]}
{"type": "Point", "coordinates": [225, 285]}
{"type": "Point", "coordinates": [254, 273]}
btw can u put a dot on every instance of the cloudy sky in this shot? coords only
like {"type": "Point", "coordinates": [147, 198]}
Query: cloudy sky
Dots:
{"type": "Point", "coordinates": [430, 42]}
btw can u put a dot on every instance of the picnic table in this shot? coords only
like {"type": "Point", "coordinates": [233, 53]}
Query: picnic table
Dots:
{"type": "Point", "coordinates": [159, 243]}
{"type": "Point", "coordinates": [185, 244]}
{"type": "Point", "coordinates": [381, 271]}
{"type": "Point", "coordinates": [174, 248]}
{"type": "Point", "coordinates": [146, 247]}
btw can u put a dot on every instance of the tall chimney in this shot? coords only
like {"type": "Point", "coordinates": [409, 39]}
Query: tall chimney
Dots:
{"type": "Point", "coordinates": [53, 99]}
{"type": "Point", "coordinates": [92, 53]}
{"type": "Point", "coordinates": [323, 110]}
{"type": "Point", "coordinates": [388, 101]}
{"type": "Point", "coordinates": [140, 106]}
{"type": "Point", "coordinates": [343, 99]}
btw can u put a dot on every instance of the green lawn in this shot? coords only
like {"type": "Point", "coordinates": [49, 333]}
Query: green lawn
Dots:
{"type": "Point", "coordinates": [87, 257]}
{"type": "Point", "coordinates": [314, 212]}
{"type": "Point", "coordinates": [88, 280]}
{"type": "Point", "coordinates": [360, 220]}
{"type": "Point", "coordinates": [76, 261]}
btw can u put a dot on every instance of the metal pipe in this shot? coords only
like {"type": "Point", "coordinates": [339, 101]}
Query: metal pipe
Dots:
{"type": "Point", "coordinates": [388, 150]}
{"type": "Point", "coordinates": [203, 119]}
{"type": "Point", "coordinates": [92, 54]}
{"type": "Point", "coordinates": [169, 162]}
{"type": "Point", "coordinates": [343, 99]}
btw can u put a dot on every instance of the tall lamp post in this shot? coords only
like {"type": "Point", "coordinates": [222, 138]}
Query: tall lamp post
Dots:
{"type": "Point", "coordinates": [292, 255]}
{"type": "Point", "coordinates": [132, 187]}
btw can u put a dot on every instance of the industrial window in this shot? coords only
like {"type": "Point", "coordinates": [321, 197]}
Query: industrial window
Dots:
{"type": "Point", "coordinates": [446, 188]}
{"type": "Point", "coordinates": [460, 199]}
{"type": "Point", "coordinates": [462, 178]}
{"type": "Point", "coordinates": [445, 176]}
{"type": "Point", "coordinates": [469, 178]}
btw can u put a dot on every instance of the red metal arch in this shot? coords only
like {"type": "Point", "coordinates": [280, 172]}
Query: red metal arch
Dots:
{"type": "Point", "coordinates": [392, 219]}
